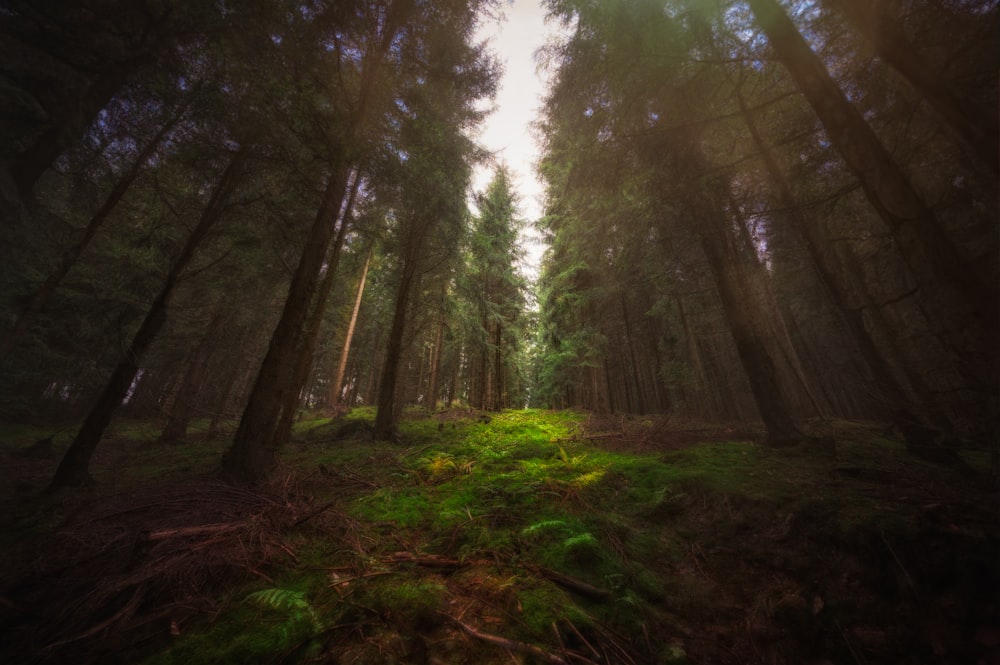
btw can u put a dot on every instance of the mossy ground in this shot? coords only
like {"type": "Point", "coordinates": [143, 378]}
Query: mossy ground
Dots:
{"type": "Point", "coordinates": [619, 542]}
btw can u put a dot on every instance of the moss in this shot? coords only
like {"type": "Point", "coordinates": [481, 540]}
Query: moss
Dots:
{"type": "Point", "coordinates": [543, 605]}
{"type": "Point", "coordinates": [408, 507]}
{"type": "Point", "coordinates": [417, 605]}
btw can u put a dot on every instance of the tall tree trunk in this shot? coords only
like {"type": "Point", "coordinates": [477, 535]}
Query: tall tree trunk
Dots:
{"type": "Point", "coordinates": [187, 391]}
{"type": "Point", "coordinates": [70, 256]}
{"type": "Point", "coordinates": [743, 315]}
{"type": "Point", "coordinates": [699, 398]}
{"type": "Point", "coordinates": [884, 31]}
{"type": "Point", "coordinates": [632, 376]}
{"type": "Point", "coordinates": [759, 283]}
{"type": "Point", "coordinates": [73, 470]}
{"type": "Point", "coordinates": [964, 307]}
{"type": "Point", "coordinates": [253, 453]}
{"type": "Point", "coordinates": [338, 380]}
{"type": "Point", "coordinates": [432, 384]}
{"type": "Point", "coordinates": [235, 377]}
{"type": "Point", "coordinates": [304, 355]}
{"type": "Point", "coordinates": [385, 418]}
{"type": "Point", "coordinates": [760, 367]}
{"type": "Point", "coordinates": [498, 396]}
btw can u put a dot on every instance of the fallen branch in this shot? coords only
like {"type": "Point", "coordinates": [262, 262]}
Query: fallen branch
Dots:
{"type": "Point", "coordinates": [313, 513]}
{"type": "Point", "coordinates": [571, 583]}
{"type": "Point", "coordinates": [603, 435]}
{"type": "Point", "coordinates": [513, 645]}
{"type": "Point", "coordinates": [428, 560]}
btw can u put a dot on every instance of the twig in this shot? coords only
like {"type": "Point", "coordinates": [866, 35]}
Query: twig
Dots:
{"type": "Point", "coordinates": [906, 574]}
{"type": "Point", "coordinates": [609, 638]}
{"type": "Point", "coordinates": [313, 513]}
{"type": "Point", "coordinates": [504, 643]}
{"type": "Point", "coordinates": [182, 532]}
{"type": "Point", "coordinates": [697, 552]}
{"type": "Point", "coordinates": [430, 561]}
{"type": "Point", "coordinates": [571, 583]}
{"type": "Point", "coordinates": [603, 435]}
{"type": "Point", "coordinates": [582, 638]}
{"type": "Point", "coordinates": [850, 647]}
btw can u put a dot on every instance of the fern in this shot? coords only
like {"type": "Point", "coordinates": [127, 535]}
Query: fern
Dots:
{"type": "Point", "coordinates": [570, 460]}
{"type": "Point", "coordinates": [544, 526]}
{"type": "Point", "coordinates": [298, 610]}
{"type": "Point", "coordinates": [581, 541]}
{"type": "Point", "coordinates": [281, 599]}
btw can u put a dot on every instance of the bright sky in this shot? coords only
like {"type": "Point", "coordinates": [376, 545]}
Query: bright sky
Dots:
{"type": "Point", "coordinates": [507, 130]}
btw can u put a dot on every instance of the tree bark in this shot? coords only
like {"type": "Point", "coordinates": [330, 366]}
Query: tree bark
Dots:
{"type": "Point", "coordinates": [498, 387]}
{"type": "Point", "coordinates": [73, 470]}
{"type": "Point", "coordinates": [753, 353]}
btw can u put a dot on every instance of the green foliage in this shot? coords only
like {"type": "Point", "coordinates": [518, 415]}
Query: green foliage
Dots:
{"type": "Point", "coordinates": [269, 625]}
{"type": "Point", "coordinates": [543, 605]}
{"type": "Point", "coordinates": [294, 605]}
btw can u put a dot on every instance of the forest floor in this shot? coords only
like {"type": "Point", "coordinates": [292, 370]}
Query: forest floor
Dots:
{"type": "Point", "coordinates": [520, 537]}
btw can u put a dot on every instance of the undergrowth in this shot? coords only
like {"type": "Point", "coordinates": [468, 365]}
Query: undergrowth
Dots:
{"type": "Point", "coordinates": [519, 527]}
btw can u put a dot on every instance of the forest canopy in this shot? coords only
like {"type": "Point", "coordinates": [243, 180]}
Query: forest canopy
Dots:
{"type": "Point", "coordinates": [755, 211]}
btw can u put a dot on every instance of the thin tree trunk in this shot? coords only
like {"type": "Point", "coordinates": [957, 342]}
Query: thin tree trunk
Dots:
{"type": "Point", "coordinates": [694, 359]}
{"type": "Point", "coordinates": [71, 255]}
{"type": "Point", "coordinates": [976, 128]}
{"type": "Point", "coordinates": [753, 353]}
{"type": "Point", "coordinates": [432, 387]}
{"type": "Point", "coordinates": [219, 412]}
{"type": "Point", "coordinates": [346, 350]}
{"type": "Point", "coordinates": [385, 418]}
{"type": "Point", "coordinates": [964, 306]}
{"type": "Point", "coordinates": [183, 403]}
{"type": "Point", "coordinates": [758, 283]}
{"type": "Point", "coordinates": [73, 470]}
{"type": "Point", "coordinates": [498, 396]}
{"type": "Point", "coordinates": [632, 376]}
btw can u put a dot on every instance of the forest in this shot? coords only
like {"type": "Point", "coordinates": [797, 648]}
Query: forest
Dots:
{"type": "Point", "coordinates": [279, 385]}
